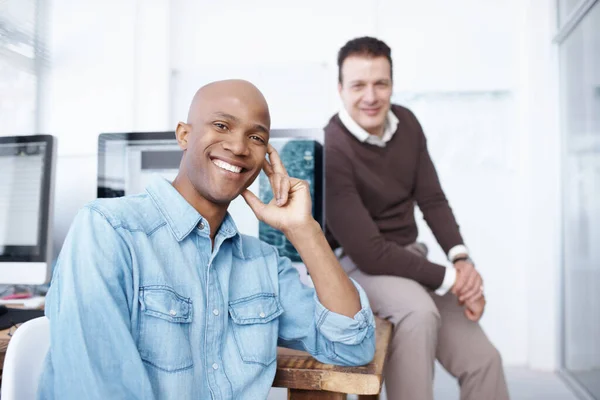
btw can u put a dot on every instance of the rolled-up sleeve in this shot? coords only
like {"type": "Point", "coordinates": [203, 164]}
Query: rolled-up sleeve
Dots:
{"type": "Point", "coordinates": [309, 326]}
{"type": "Point", "coordinates": [339, 328]}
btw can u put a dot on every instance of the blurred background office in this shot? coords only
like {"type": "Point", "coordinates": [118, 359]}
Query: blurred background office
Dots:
{"type": "Point", "coordinates": [508, 93]}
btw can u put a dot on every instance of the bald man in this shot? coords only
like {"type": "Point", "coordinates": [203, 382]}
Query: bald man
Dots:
{"type": "Point", "coordinates": [158, 296]}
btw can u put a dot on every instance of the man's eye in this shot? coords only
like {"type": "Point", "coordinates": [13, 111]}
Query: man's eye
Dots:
{"type": "Point", "coordinates": [258, 138]}
{"type": "Point", "coordinates": [220, 126]}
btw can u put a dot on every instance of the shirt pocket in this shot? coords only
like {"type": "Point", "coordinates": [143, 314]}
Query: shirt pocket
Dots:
{"type": "Point", "coordinates": [255, 327]}
{"type": "Point", "coordinates": [164, 329]}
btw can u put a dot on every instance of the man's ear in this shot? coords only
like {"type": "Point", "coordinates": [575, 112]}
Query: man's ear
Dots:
{"type": "Point", "coordinates": [181, 133]}
{"type": "Point", "coordinates": [340, 87]}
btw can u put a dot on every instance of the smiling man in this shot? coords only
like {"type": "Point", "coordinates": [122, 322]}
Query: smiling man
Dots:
{"type": "Point", "coordinates": [158, 296]}
{"type": "Point", "coordinates": [377, 169]}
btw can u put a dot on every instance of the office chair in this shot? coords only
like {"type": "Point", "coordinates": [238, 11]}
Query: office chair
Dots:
{"type": "Point", "coordinates": [24, 359]}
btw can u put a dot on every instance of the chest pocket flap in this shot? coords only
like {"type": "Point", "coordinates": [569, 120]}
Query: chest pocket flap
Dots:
{"type": "Point", "coordinates": [166, 304]}
{"type": "Point", "coordinates": [256, 309]}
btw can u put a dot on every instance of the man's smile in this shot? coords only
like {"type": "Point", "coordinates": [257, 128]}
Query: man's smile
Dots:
{"type": "Point", "coordinates": [226, 166]}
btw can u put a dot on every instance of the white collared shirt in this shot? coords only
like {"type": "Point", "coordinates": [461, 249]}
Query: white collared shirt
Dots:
{"type": "Point", "coordinates": [391, 125]}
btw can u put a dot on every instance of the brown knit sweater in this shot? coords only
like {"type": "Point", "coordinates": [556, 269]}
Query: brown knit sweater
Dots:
{"type": "Point", "coordinates": [370, 197]}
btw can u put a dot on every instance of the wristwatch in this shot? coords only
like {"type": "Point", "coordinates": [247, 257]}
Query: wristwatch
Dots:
{"type": "Point", "coordinates": [463, 258]}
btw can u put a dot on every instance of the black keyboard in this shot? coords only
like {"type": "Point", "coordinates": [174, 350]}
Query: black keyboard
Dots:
{"type": "Point", "coordinates": [15, 316]}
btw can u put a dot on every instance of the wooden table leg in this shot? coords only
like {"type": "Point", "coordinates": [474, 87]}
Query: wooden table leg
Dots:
{"type": "Point", "coordinates": [298, 394]}
{"type": "Point", "coordinates": [368, 397]}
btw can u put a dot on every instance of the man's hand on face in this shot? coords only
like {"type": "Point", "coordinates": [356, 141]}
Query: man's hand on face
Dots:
{"type": "Point", "coordinates": [474, 310]}
{"type": "Point", "coordinates": [469, 284]}
{"type": "Point", "coordinates": [291, 206]}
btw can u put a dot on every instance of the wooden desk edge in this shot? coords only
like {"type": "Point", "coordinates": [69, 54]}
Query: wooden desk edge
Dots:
{"type": "Point", "coordinates": [335, 380]}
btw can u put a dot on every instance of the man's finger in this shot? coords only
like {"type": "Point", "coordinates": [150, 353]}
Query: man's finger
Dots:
{"type": "Point", "coordinates": [472, 296]}
{"type": "Point", "coordinates": [471, 315]}
{"type": "Point", "coordinates": [284, 190]}
{"type": "Point", "coordinates": [470, 281]}
{"type": "Point", "coordinates": [267, 168]}
{"type": "Point", "coordinates": [254, 202]}
{"type": "Point", "coordinates": [275, 161]}
{"type": "Point", "coordinates": [467, 290]}
{"type": "Point", "coordinates": [460, 281]}
{"type": "Point", "coordinates": [472, 291]}
{"type": "Point", "coordinates": [468, 294]}
{"type": "Point", "coordinates": [275, 180]}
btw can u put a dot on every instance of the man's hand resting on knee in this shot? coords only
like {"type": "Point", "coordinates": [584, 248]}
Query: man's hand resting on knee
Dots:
{"type": "Point", "coordinates": [469, 289]}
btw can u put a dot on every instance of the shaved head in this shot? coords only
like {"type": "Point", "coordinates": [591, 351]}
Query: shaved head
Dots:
{"type": "Point", "coordinates": [230, 90]}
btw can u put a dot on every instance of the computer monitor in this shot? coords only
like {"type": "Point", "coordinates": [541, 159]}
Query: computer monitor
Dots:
{"type": "Point", "coordinates": [27, 167]}
{"type": "Point", "coordinates": [126, 161]}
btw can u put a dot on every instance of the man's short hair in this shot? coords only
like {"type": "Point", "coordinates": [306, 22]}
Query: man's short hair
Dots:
{"type": "Point", "coordinates": [363, 46]}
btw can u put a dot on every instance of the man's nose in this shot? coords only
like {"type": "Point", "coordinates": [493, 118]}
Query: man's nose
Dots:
{"type": "Point", "coordinates": [369, 94]}
{"type": "Point", "coordinates": [237, 144]}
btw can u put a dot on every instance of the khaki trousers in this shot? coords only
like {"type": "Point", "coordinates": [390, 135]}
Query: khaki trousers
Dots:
{"type": "Point", "coordinates": [429, 327]}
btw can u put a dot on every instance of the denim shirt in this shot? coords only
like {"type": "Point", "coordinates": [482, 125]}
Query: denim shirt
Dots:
{"type": "Point", "coordinates": [141, 306]}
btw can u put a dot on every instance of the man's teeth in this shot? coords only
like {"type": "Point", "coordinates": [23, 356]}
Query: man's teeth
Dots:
{"type": "Point", "coordinates": [227, 166]}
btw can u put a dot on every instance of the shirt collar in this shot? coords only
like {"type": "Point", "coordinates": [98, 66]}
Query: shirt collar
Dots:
{"type": "Point", "coordinates": [391, 124]}
{"type": "Point", "coordinates": [180, 216]}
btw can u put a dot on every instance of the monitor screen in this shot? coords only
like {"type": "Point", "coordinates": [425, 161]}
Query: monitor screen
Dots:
{"type": "Point", "coordinates": [26, 187]}
{"type": "Point", "coordinates": [126, 161]}
{"type": "Point", "coordinates": [302, 158]}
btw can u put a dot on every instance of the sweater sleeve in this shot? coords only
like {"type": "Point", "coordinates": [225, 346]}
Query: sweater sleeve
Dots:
{"type": "Point", "coordinates": [352, 226]}
{"type": "Point", "coordinates": [432, 201]}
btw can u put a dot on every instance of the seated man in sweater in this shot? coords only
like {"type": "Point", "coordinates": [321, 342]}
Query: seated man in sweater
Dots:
{"type": "Point", "coordinates": [377, 168]}
{"type": "Point", "coordinates": [158, 296]}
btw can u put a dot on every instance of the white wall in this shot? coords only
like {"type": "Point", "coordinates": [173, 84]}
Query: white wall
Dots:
{"type": "Point", "coordinates": [109, 72]}
{"type": "Point", "coordinates": [541, 165]}
{"type": "Point", "coordinates": [471, 70]}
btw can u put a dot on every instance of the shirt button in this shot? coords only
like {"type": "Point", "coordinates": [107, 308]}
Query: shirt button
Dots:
{"type": "Point", "coordinates": [262, 314]}
{"type": "Point", "coordinates": [201, 225]}
{"type": "Point", "coordinates": [216, 312]}
{"type": "Point", "coordinates": [215, 366]}
{"type": "Point", "coordinates": [173, 313]}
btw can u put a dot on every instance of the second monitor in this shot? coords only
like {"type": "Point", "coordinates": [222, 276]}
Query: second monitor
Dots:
{"type": "Point", "coordinates": [27, 166]}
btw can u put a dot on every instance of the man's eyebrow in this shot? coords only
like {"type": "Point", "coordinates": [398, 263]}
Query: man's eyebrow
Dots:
{"type": "Point", "coordinates": [261, 128]}
{"type": "Point", "coordinates": [227, 116]}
